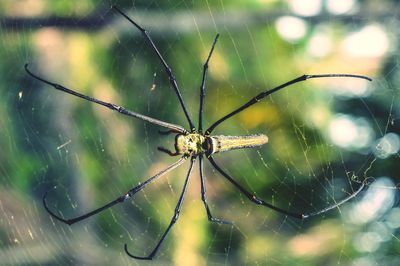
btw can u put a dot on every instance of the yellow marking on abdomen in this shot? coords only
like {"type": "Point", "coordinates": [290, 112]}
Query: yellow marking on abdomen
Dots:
{"type": "Point", "coordinates": [226, 143]}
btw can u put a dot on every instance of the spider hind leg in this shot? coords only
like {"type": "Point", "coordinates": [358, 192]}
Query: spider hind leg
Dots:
{"type": "Point", "coordinates": [204, 197]}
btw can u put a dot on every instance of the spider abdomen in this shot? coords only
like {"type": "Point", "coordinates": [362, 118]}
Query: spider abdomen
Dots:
{"type": "Point", "coordinates": [221, 143]}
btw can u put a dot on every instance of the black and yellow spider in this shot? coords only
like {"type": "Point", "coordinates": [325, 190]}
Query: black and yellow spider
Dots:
{"type": "Point", "coordinates": [193, 144]}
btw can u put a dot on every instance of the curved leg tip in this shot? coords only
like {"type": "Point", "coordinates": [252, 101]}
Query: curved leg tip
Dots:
{"type": "Point", "coordinates": [69, 222]}
{"type": "Point", "coordinates": [165, 150]}
{"type": "Point", "coordinates": [26, 67]}
{"type": "Point", "coordinates": [136, 257]}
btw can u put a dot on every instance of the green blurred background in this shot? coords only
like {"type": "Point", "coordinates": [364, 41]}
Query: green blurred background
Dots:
{"type": "Point", "coordinates": [325, 136]}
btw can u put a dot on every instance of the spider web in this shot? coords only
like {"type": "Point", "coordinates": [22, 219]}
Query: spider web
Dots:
{"type": "Point", "coordinates": [325, 136]}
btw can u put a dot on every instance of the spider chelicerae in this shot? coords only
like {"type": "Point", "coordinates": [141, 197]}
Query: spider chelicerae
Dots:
{"type": "Point", "coordinates": [194, 143]}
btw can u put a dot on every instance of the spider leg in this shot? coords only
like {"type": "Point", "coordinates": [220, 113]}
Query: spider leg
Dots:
{"type": "Point", "coordinates": [259, 201]}
{"type": "Point", "coordinates": [203, 85]}
{"type": "Point", "coordinates": [268, 92]}
{"type": "Point", "coordinates": [337, 204]}
{"type": "Point", "coordinates": [168, 69]}
{"type": "Point", "coordinates": [120, 199]}
{"type": "Point", "coordinates": [120, 109]}
{"type": "Point", "coordinates": [173, 220]}
{"type": "Point", "coordinates": [204, 198]}
{"type": "Point", "coordinates": [170, 153]}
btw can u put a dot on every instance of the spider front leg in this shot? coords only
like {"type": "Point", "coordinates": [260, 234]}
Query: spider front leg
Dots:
{"type": "Point", "coordinates": [204, 198]}
{"type": "Point", "coordinates": [120, 199]}
{"type": "Point", "coordinates": [173, 220]}
{"type": "Point", "coordinates": [203, 84]}
{"type": "Point", "coordinates": [168, 69]}
{"type": "Point", "coordinates": [114, 107]}
{"type": "Point", "coordinates": [264, 94]}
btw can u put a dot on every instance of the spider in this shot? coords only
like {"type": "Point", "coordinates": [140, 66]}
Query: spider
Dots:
{"type": "Point", "coordinates": [193, 144]}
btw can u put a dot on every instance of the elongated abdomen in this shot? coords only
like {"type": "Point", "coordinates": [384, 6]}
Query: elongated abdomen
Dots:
{"type": "Point", "coordinates": [226, 143]}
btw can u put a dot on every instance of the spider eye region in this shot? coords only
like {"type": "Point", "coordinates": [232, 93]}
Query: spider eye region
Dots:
{"type": "Point", "coordinates": [190, 144]}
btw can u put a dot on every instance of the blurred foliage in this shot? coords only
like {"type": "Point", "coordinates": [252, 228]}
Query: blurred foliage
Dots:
{"type": "Point", "coordinates": [93, 155]}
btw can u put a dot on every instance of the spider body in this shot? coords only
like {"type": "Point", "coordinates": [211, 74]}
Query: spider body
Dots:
{"type": "Point", "coordinates": [193, 144]}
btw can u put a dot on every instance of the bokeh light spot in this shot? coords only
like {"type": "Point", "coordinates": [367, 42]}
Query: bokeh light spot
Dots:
{"type": "Point", "coordinates": [378, 199]}
{"type": "Point", "coordinates": [305, 8]}
{"type": "Point", "coordinates": [320, 45]}
{"type": "Point", "coordinates": [346, 131]}
{"type": "Point", "coordinates": [364, 42]}
{"type": "Point", "coordinates": [340, 6]}
{"type": "Point", "coordinates": [387, 145]}
{"type": "Point", "coordinates": [291, 28]}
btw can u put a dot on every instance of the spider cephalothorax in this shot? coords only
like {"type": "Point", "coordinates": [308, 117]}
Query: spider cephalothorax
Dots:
{"type": "Point", "coordinates": [194, 145]}
{"type": "Point", "coordinates": [191, 144]}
